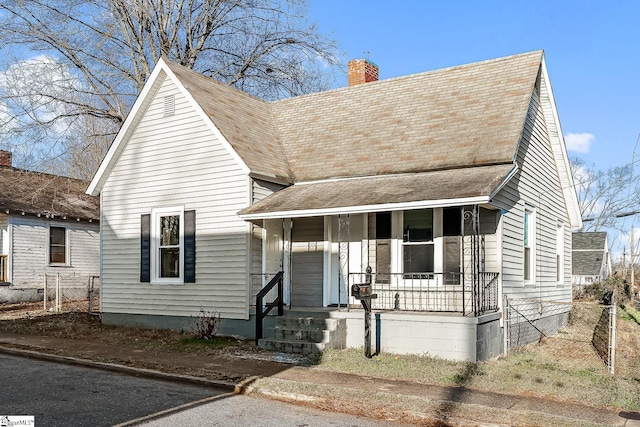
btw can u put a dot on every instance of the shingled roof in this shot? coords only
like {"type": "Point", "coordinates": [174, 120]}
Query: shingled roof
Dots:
{"type": "Point", "coordinates": [452, 118]}
{"type": "Point", "coordinates": [34, 193]}
{"type": "Point", "coordinates": [589, 252]}
{"type": "Point", "coordinates": [467, 120]}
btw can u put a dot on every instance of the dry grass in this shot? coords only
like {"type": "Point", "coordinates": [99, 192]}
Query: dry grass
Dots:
{"type": "Point", "coordinates": [564, 366]}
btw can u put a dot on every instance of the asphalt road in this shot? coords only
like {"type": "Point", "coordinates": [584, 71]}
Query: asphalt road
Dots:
{"type": "Point", "coordinates": [65, 395]}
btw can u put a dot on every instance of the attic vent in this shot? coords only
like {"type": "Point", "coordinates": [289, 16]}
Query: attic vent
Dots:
{"type": "Point", "coordinates": [169, 105]}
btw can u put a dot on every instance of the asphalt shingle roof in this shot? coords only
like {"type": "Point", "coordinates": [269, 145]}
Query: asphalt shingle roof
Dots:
{"type": "Point", "coordinates": [588, 253]}
{"type": "Point", "coordinates": [470, 115]}
{"type": "Point", "coordinates": [44, 194]}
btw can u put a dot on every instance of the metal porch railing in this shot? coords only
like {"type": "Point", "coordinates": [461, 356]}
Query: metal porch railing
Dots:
{"type": "Point", "coordinates": [434, 292]}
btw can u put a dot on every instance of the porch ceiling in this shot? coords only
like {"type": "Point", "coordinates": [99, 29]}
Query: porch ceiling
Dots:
{"type": "Point", "coordinates": [380, 193]}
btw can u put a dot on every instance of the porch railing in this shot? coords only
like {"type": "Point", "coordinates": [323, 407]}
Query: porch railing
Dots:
{"type": "Point", "coordinates": [3, 268]}
{"type": "Point", "coordinates": [262, 308]}
{"type": "Point", "coordinates": [433, 292]}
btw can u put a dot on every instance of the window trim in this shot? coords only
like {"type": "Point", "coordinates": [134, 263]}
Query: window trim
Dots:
{"type": "Point", "coordinates": [529, 241]}
{"type": "Point", "coordinates": [560, 253]}
{"type": "Point", "coordinates": [66, 246]}
{"type": "Point", "coordinates": [155, 245]}
{"type": "Point", "coordinates": [398, 243]}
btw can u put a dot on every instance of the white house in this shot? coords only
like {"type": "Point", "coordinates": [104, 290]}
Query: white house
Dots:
{"type": "Point", "coordinates": [48, 227]}
{"type": "Point", "coordinates": [453, 186]}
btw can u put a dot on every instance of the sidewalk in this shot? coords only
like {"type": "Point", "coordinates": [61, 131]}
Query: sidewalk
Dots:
{"type": "Point", "coordinates": [457, 406]}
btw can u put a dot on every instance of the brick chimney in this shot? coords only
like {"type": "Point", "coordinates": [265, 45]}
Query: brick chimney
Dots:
{"type": "Point", "coordinates": [6, 158]}
{"type": "Point", "coordinates": [362, 71]}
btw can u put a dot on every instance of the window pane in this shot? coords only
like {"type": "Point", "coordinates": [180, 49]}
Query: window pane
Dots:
{"type": "Point", "coordinates": [418, 225]}
{"type": "Point", "coordinates": [57, 235]}
{"type": "Point", "coordinates": [383, 225]}
{"type": "Point", "coordinates": [57, 245]}
{"type": "Point", "coordinates": [451, 222]}
{"type": "Point", "coordinates": [527, 264]}
{"type": "Point", "coordinates": [169, 262]}
{"type": "Point", "coordinates": [57, 254]}
{"type": "Point", "coordinates": [526, 228]}
{"type": "Point", "coordinates": [418, 259]}
{"type": "Point", "coordinates": [170, 230]}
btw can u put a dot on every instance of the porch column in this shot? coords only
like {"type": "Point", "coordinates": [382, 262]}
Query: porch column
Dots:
{"type": "Point", "coordinates": [344, 233]}
{"type": "Point", "coordinates": [287, 225]}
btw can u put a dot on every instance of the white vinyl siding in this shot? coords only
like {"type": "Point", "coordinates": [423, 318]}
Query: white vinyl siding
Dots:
{"type": "Point", "coordinates": [537, 184]}
{"type": "Point", "coordinates": [168, 162]}
{"type": "Point", "coordinates": [30, 253]}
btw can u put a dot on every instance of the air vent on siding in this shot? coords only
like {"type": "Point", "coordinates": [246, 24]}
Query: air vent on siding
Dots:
{"type": "Point", "coordinates": [169, 105]}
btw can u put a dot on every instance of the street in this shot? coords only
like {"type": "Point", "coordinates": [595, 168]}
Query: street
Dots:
{"type": "Point", "coordinates": [67, 395]}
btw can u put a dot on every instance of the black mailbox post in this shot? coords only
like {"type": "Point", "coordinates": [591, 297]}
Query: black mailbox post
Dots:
{"type": "Point", "coordinates": [362, 292]}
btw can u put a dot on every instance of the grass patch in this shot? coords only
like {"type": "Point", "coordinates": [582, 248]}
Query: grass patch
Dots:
{"type": "Point", "coordinates": [564, 366]}
{"type": "Point", "coordinates": [631, 314]}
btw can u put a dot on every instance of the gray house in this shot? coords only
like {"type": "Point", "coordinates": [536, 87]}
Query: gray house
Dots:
{"type": "Point", "coordinates": [48, 227]}
{"type": "Point", "coordinates": [452, 187]}
{"type": "Point", "coordinates": [591, 261]}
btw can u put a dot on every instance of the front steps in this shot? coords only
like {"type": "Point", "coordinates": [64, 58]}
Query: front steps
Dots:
{"type": "Point", "coordinates": [304, 334]}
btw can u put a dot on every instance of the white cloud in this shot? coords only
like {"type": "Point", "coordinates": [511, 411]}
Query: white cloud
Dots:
{"type": "Point", "coordinates": [579, 142]}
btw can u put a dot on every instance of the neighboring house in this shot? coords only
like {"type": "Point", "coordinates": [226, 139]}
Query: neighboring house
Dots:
{"type": "Point", "coordinates": [48, 226]}
{"type": "Point", "coordinates": [453, 186]}
{"type": "Point", "coordinates": [591, 261]}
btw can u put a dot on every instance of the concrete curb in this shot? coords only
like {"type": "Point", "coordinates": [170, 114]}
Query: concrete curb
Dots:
{"type": "Point", "coordinates": [240, 388]}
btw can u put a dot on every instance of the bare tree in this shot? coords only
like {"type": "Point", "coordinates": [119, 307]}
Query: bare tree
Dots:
{"type": "Point", "coordinates": [90, 58]}
{"type": "Point", "coordinates": [605, 196]}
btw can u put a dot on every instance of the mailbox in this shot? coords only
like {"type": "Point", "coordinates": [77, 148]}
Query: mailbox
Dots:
{"type": "Point", "coordinates": [360, 291]}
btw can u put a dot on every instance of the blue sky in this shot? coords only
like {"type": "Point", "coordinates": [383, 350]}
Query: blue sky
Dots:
{"type": "Point", "coordinates": [592, 51]}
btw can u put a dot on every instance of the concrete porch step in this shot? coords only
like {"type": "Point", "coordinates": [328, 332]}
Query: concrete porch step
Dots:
{"type": "Point", "coordinates": [287, 346]}
{"type": "Point", "coordinates": [293, 333]}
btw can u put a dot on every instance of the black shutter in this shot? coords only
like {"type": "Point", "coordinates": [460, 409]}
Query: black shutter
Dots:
{"type": "Point", "coordinates": [145, 248]}
{"type": "Point", "coordinates": [190, 246]}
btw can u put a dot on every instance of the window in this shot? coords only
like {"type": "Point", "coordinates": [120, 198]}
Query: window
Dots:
{"type": "Point", "coordinates": [560, 253]}
{"type": "Point", "coordinates": [57, 245]}
{"type": "Point", "coordinates": [168, 246]}
{"type": "Point", "coordinates": [417, 237]}
{"type": "Point", "coordinates": [529, 244]}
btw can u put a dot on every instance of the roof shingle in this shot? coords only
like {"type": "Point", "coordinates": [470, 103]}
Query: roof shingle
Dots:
{"type": "Point", "coordinates": [44, 194]}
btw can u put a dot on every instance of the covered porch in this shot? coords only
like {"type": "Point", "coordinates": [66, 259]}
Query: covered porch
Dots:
{"type": "Point", "coordinates": [440, 259]}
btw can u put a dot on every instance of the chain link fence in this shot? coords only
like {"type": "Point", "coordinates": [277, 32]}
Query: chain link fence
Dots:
{"type": "Point", "coordinates": [71, 293]}
{"type": "Point", "coordinates": [531, 321]}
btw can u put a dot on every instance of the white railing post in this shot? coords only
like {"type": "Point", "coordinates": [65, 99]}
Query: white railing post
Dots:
{"type": "Point", "coordinates": [58, 292]}
{"type": "Point", "coordinates": [45, 293]}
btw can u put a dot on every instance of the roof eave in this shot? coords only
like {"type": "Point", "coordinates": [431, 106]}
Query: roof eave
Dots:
{"type": "Point", "coordinates": [422, 204]}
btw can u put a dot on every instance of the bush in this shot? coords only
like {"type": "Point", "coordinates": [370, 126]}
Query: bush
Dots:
{"type": "Point", "coordinates": [614, 287]}
{"type": "Point", "coordinates": [207, 324]}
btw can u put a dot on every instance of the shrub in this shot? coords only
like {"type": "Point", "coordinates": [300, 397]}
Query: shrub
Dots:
{"type": "Point", "coordinates": [207, 324]}
{"type": "Point", "coordinates": [614, 287]}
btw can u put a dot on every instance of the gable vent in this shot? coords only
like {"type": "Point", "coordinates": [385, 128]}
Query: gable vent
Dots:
{"type": "Point", "coordinates": [169, 105]}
